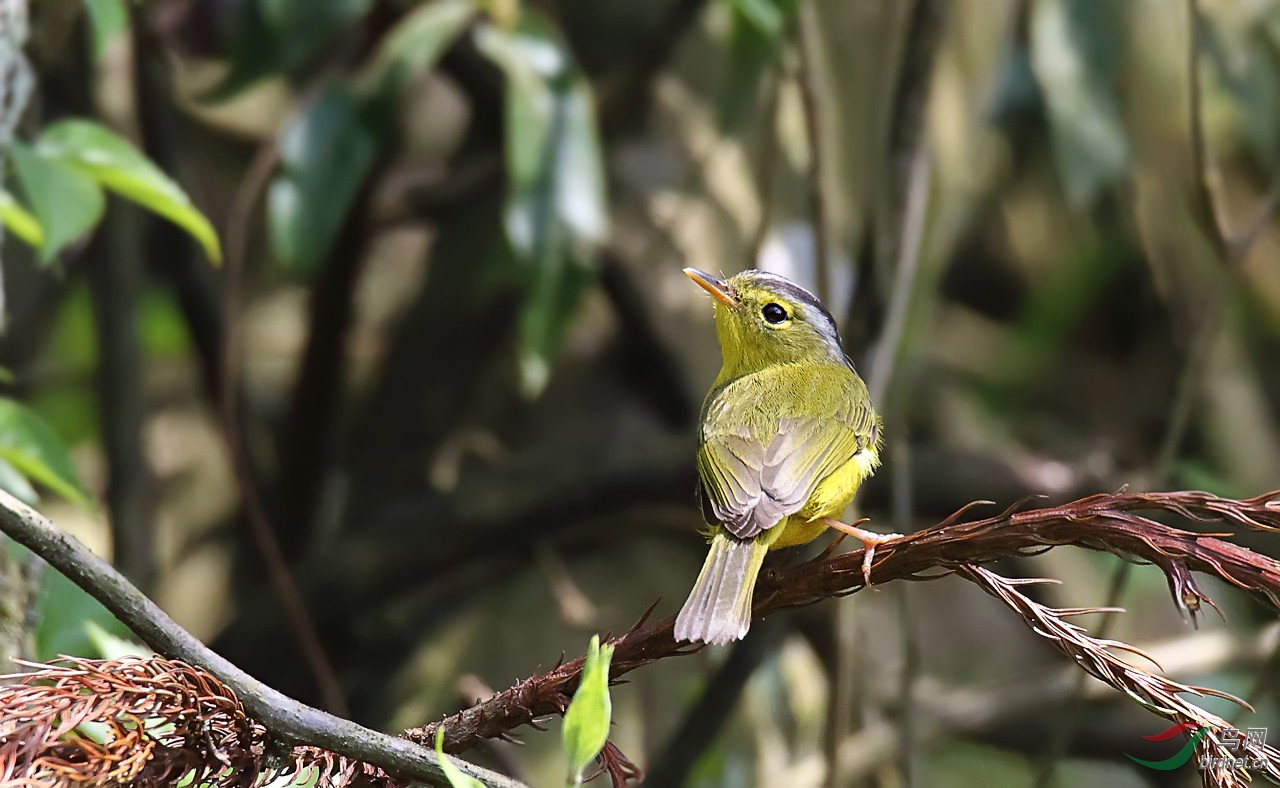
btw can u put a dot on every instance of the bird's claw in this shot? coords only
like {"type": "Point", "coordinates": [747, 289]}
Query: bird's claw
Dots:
{"type": "Point", "coordinates": [870, 541]}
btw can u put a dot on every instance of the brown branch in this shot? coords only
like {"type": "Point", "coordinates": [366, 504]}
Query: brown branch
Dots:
{"type": "Point", "coordinates": [263, 534]}
{"type": "Point", "coordinates": [286, 720]}
{"type": "Point", "coordinates": [809, 78]}
{"type": "Point", "coordinates": [1111, 522]}
{"type": "Point", "coordinates": [767, 165]}
{"type": "Point", "coordinates": [1206, 209]}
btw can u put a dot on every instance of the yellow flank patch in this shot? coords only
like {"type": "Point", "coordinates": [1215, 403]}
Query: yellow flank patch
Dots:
{"type": "Point", "coordinates": [829, 499]}
{"type": "Point", "coordinates": [796, 530]}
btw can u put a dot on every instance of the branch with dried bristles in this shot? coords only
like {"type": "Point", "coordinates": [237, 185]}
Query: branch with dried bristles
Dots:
{"type": "Point", "coordinates": [961, 711]}
{"type": "Point", "coordinates": [1117, 523]}
{"type": "Point", "coordinates": [285, 721]}
{"type": "Point", "coordinates": [1158, 694]}
{"type": "Point", "coordinates": [149, 723]}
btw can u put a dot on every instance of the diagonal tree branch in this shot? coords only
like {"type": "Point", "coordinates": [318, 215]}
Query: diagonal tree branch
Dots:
{"type": "Point", "coordinates": [1118, 523]}
{"type": "Point", "coordinates": [287, 720]}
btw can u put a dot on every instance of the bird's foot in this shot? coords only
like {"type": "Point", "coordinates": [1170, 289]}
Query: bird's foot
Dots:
{"type": "Point", "coordinates": [870, 540]}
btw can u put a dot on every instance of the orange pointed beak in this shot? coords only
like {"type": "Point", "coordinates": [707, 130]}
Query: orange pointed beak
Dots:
{"type": "Point", "coordinates": [716, 287]}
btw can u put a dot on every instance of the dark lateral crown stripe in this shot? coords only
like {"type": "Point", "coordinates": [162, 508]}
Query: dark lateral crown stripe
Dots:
{"type": "Point", "coordinates": [795, 293]}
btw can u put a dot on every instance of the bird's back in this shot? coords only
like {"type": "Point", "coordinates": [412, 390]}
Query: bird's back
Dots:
{"type": "Point", "coordinates": [811, 423]}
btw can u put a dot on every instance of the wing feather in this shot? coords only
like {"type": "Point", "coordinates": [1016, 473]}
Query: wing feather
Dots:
{"type": "Point", "coordinates": [761, 462]}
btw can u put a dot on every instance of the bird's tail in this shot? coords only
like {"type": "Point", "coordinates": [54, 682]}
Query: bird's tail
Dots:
{"type": "Point", "coordinates": [718, 609]}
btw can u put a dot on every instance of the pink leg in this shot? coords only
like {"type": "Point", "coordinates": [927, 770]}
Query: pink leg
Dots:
{"type": "Point", "coordinates": [870, 541]}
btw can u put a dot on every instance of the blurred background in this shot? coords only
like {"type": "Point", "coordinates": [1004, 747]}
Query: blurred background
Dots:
{"type": "Point", "coordinates": [420, 342]}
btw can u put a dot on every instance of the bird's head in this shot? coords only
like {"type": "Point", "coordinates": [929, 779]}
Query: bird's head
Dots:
{"type": "Point", "coordinates": [763, 319]}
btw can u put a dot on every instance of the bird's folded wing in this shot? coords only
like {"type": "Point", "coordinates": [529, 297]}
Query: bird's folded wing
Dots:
{"type": "Point", "coordinates": [749, 483]}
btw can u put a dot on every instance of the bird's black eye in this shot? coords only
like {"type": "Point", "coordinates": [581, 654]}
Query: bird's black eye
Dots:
{"type": "Point", "coordinates": [773, 313]}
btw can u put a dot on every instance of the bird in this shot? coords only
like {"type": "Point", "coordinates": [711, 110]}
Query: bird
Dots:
{"type": "Point", "coordinates": [786, 435]}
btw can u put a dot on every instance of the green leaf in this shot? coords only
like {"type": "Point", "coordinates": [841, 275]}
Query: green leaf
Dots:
{"type": "Point", "coordinates": [556, 209]}
{"type": "Point", "coordinates": [1073, 48]}
{"type": "Point", "coordinates": [109, 645]}
{"type": "Point", "coordinates": [414, 45]}
{"type": "Point", "coordinates": [1015, 101]}
{"type": "Point", "coordinates": [162, 330]}
{"type": "Point", "coordinates": [550, 303]}
{"type": "Point", "coordinates": [764, 15]}
{"type": "Point", "coordinates": [113, 162]}
{"type": "Point", "coordinates": [579, 175]}
{"type": "Point", "coordinates": [66, 202]}
{"type": "Point", "coordinates": [1245, 60]}
{"type": "Point", "coordinates": [19, 221]}
{"type": "Point", "coordinates": [455, 776]}
{"type": "Point", "coordinates": [563, 190]}
{"type": "Point", "coordinates": [532, 61]}
{"type": "Point", "coordinates": [757, 31]}
{"type": "Point", "coordinates": [30, 445]}
{"type": "Point", "coordinates": [272, 37]}
{"type": "Point", "coordinates": [109, 19]}
{"type": "Point", "coordinates": [586, 721]}
{"type": "Point", "coordinates": [64, 610]}
{"type": "Point", "coordinates": [14, 483]}
{"type": "Point", "coordinates": [325, 155]}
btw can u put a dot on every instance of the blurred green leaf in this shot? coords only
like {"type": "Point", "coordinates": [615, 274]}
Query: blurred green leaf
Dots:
{"type": "Point", "coordinates": [281, 37]}
{"type": "Point", "coordinates": [14, 483]}
{"type": "Point", "coordinates": [586, 721]}
{"type": "Point", "coordinates": [556, 209]}
{"type": "Point", "coordinates": [97, 731]}
{"type": "Point", "coordinates": [1196, 474]}
{"type": "Point", "coordinates": [325, 154]}
{"type": "Point", "coordinates": [532, 60]}
{"type": "Point", "coordinates": [558, 183]}
{"type": "Point", "coordinates": [1058, 305]}
{"type": "Point", "coordinates": [550, 304]}
{"type": "Point", "coordinates": [64, 610]}
{"type": "Point", "coordinates": [108, 19]}
{"type": "Point", "coordinates": [1246, 63]}
{"type": "Point", "coordinates": [1074, 46]}
{"type": "Point", "coordinates": [750, 53]}
{"type": "Point", "coordinates": [113, 162]}
{"type": "Point", "coordinates": [578, 180]}
{"type": "Point", "coordinates": [31, 446]}
{"type": "Point", "coordinates": [72, 347]}
{"type": "Point", "coordinates": [963, 764]}
{"type": "Point", "coordinates": [455, 776]}
{"type": "Point", "coordinates": [19, 221]}
{"type": "Point", "coordinates": [163, 330]}
{"type": "Point", "coordinates": [109, 645]}
{"type": "Point", "coordinates": [1015, 101]}
{"type": "Point", "coordinates": [414, 45]}
{"type": "Point", "coordinates": [73, 409]}
{"type": "Point", "coordinates": [767, 16]}
{"type": "Point", "coordinates": [67, 203]}
{"type": "Point", "coordinates": [757, 31]}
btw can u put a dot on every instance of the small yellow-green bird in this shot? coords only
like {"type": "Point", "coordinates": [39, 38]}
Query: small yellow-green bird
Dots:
{"type": "Point", "coordinates": [787, 434]}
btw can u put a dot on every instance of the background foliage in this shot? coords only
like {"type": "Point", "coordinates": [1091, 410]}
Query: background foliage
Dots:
{"type": "Point", "coordinates": [388, 294]}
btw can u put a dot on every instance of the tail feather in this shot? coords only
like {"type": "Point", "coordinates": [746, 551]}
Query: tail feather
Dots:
{"type": "Point", "coordinates": [718, 609]}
